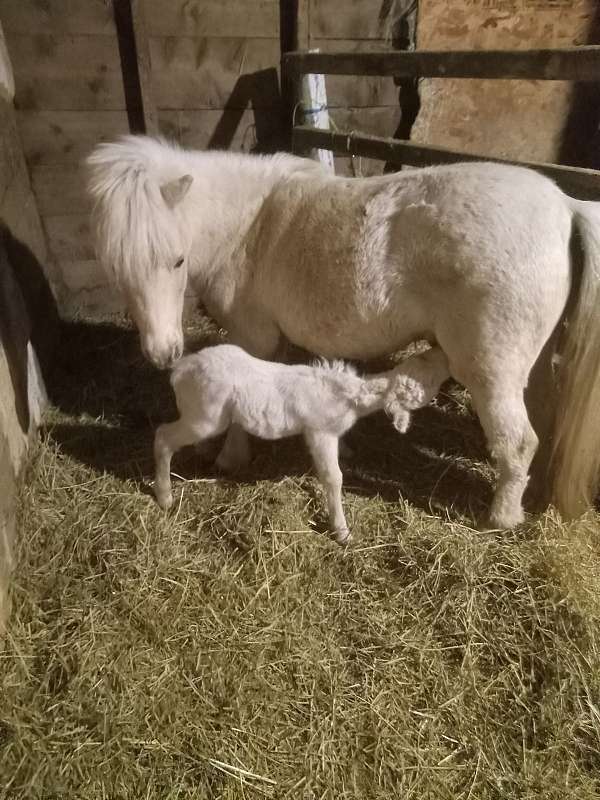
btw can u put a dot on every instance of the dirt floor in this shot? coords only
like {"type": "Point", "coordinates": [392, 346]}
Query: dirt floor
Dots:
{"type": "Point", "coordinates": [230, 649]}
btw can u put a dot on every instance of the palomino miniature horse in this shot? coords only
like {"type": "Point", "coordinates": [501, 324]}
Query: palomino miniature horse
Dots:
{"type": "Point", "coordinates": [222, 385]}
{"type": "Point", "coordinates": [475, 257]}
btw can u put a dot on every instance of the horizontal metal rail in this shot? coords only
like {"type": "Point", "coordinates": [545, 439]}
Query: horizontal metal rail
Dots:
{"type": "Point", "coordinates": [580, 182]}
{"type": "Point", "coordinates": [567, 63]}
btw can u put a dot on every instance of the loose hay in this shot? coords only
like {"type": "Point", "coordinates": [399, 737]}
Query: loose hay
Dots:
{"type": "Point", "coordinates": [230, 650]}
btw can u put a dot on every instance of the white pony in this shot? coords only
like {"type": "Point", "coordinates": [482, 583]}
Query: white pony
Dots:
{"type": "Point", "coordinates": [475, 257]}
{"type": "Point", "coordinates": [223, 385]}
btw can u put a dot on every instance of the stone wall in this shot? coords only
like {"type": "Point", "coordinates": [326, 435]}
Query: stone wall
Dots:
{"type": "Point", "coordinates": [27, 318]}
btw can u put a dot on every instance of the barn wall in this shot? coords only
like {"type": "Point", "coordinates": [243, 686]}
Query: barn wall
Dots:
{"type": "Point", "coordinates": [515, 119]}
{"type": "Point", "coordinates": [215, 82]}
{"type": "Point", "coordinates": [27, 317]}
{"type": "Point", "coordinates": [69, 96]}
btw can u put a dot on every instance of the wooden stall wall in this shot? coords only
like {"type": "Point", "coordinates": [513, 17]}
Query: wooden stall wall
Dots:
{"type": "Point", "coordinates": [367, 104]}
{"type": "Point", "coordinates": [514, 119]}
{"type": "Point", "coordinates": [69, 95]}
{"type": "Point", "coordinates": [27, 318]}
{"type": "Point", "coordinates": [215, 83]}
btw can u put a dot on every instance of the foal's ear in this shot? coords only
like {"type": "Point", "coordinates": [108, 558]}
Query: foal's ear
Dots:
{"type": "Point", "coordinates": [173, 192]}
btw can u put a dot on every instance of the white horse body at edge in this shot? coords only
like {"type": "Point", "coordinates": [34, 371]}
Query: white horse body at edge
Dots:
{"type": "Point", "coordinates": [474, 257]}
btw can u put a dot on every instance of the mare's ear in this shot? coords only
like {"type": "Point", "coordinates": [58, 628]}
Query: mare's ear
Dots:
{"type": "Point", "coordinates": [173, 192]}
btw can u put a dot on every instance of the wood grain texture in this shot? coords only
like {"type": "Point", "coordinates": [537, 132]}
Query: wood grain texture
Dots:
{"type": "Point", "coordinates": [57, 16]}
{"type": "Point", "coordinates": [214, 73]}
{"type": "Point", "coordinates": [572, 63]}
{"type": "Point", "coordinates": [583, 183]}
{"type": "Point", "coordinates": [67, 137]}
{"type": "Point", "coordinates": [60, 189]}
{"type": "Point", "coordinates": [62, 72]}
{"type": "Point", "coordinates": [69, 237]}
{"type": "Point", "coordinates": [465, 114]}
{"type": "Point", "coordinates": [360, 19]}
{"type": "Point", "coordinates": [346, 91]}
{"type": "Point", "coordinates": [226, 18]}
{"type": "Point", "coordinates": [216, 129]}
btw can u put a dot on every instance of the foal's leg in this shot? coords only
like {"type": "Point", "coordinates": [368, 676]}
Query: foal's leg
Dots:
{"type": "Point", "coordinates": [324, 450]}
{"type": "Point", "coordinates": [168, 440]}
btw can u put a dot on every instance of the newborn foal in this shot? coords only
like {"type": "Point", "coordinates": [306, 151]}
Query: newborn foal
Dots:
{"type": "Point", "coordinates": [223, 385]}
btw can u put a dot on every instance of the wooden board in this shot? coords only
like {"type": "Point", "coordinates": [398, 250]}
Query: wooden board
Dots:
{"type": "Point", "coordinates": [465, 114]}
{"type": "Point", "coordinates": [66, 137]}
{"type": "Point", "coordinates": [360, 19]}
{"type": "Point", "coordinates": [66, 72]}
{"type": "Point", "coordinates": [257, 18]}
{"type": "Point", "coordinates": [583, 183]}
{"type": "Point", "coordinates": [571, 63]}
{"type": "Point", "coordinates": [57, 16]}
{"type": "Point", "coordinates": [12, 164]}
{"type": "Point", "coordinates": [345, 91]}
{"type": "Point", "coordinates": [69, 237]}
{"type": "Point", "coordinates": [60, 189]}
{"type": "Point", "coordinates": [214, 73]}
{"type": "Point", "coordinates": [215, 129]}
{"type": "Point", "coordinates": [376, 121]}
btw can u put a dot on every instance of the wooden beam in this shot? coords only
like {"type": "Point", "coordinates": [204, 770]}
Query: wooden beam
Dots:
{"type": "Point", "coordinates": [136, 66]}
{"type": "Point", "coordinates": [567, 63]}
{"type": "Point", "coordinates": [582, 183]}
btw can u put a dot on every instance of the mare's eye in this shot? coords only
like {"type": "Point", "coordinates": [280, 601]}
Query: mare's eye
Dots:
{"type": "Point", "coordinates": [179, 263]}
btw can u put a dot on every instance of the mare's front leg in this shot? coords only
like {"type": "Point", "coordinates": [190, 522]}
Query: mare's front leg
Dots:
{"type": "Point", "coordinates": [262, 341]}
{"type": "Point", "coordinates": [324, 450]}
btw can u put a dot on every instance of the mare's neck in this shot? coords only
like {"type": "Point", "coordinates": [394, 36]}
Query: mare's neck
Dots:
{"type": "Point", "coordinates": [227, 194]}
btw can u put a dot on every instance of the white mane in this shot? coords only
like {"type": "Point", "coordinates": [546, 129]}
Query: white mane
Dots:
{"type": "Point", "coordinates": [134, 228]}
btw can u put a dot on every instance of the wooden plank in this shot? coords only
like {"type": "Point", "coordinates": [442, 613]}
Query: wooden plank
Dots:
{"type": "Point", "coordinates": [57, 16]}
{"type": "Point", "coordinates": [57, 72]}
{"type": "Point", "coordinates": [69, 237]}
{"type": "Point", "coordinates": [357, 91]}
{"type": "Point", "coordinates": [568, 63]}
{"type": "Point", "coordinates": [215, 73]}
{"type": "Point", "coordinates": [360, 19]}
{"type": "Point", "coordinates": [66, 137]}
{"type": "Point", "coordinates": [373, 121]}
{"type": "Point", "coordinates": [258, 18]}
{"type": "Point", "coordinates": [60, 189]}
{"type": "Point", "coordinates": [212, 129]}
{"type": "Point", "coordinates": [584, 183]}
{"type": "Point", "coordinates": [136, 65]}
{"type": "Point", "coordinates": [12, 164]}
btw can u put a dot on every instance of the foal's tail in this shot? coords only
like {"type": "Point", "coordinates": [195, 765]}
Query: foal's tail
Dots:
{"type": "Point", "coordinates": [576, 455]}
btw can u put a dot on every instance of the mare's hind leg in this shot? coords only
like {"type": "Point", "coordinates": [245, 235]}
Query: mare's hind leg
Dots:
{"type": "Point", "coordinates": [512, 442]}
{"type": "Point", "coordinates": [168, 440]}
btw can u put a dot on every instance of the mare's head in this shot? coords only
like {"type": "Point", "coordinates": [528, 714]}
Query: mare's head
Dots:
{"type": "Point", "coordinates": [142, 239]}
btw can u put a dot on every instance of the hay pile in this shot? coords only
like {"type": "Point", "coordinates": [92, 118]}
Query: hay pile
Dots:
{"type": "Point", "coordinates": [230, 650]}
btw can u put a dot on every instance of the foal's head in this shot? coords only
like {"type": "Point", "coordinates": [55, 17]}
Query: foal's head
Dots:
{"type": "Point", "coordinates": [143, 241]}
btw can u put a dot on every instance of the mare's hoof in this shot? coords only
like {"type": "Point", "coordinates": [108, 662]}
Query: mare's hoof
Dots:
{"type": "Point", "coordinates": [164, 499]}
{"type": "Point", "coordinates": [342, 535]}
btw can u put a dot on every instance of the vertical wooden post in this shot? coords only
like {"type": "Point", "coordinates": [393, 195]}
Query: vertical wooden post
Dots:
{"type": "Point", "coordinates": [294, 34]}
{"type": "Point", "coordinates": [135, 66]}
